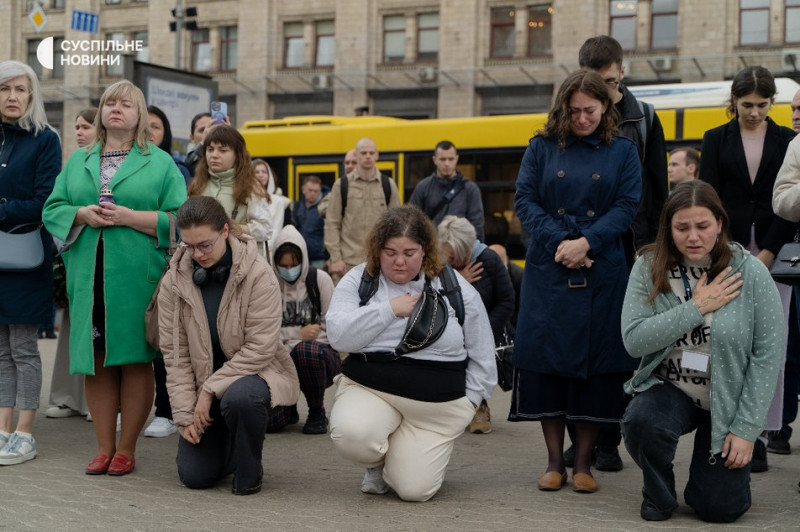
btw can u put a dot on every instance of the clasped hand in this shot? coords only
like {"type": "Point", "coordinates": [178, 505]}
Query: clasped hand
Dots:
{"type": "Point", "coordinates": [105, 215]}
{"type": "Point", "coordinates": [718, 293]}
{"type": "Point", "coordinates": [572, 253]}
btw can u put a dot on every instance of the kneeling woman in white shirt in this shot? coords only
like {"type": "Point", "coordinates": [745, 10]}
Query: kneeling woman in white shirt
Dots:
{"type": "Point", "coordinates": [401, 404]}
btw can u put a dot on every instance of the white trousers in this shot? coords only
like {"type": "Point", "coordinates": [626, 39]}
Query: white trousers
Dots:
{"type": "Point", "coordinates": [413, 440]}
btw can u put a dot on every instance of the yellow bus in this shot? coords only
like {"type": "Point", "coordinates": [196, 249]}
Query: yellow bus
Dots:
{"type": "Point", "coordinates": [490, 147]}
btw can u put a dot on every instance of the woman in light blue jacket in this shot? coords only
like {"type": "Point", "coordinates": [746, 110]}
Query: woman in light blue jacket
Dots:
{"type": "Point", "coordinates": [706, 320]}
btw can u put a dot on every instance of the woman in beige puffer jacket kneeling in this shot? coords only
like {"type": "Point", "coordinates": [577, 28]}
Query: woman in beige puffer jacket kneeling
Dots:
{"type": "Point", "coordinates": [220, 320]}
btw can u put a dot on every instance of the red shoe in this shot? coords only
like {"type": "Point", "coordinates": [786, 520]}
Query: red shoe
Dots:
{"type": "Point", "coordinates": [98, 465]}
{"type": "Point", "coordinates": [120, 465]}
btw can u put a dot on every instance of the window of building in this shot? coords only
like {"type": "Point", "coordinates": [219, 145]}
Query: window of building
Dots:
{"type": "Point", "coordinates": [58, 53]}
{"type": "Point", "coordinates": [325, 53]}
{"type": "Point", "coordinates": [58, 4]}
{"type": "Point", "coordinates": [623, 22]}
{"type": "Point", "coordinates": [201, 50]}
{"type": "Point", "coordinates": [109, 2]}
{"type": "Point", "coordinates": [229, 48]}
{"type": "Point", "coordinates": [293, 45]}
{"type": "Point", "coordinates": [665, 24]}
{"type": "Point", "coordinates": [118, 69]}
{"type": "Point", "coordinates": [33, 46]}
{"type": "Point", "coordinates": [753, 22]}
{"type": "Point", "coordinates": [427, 36]}
{"type": "Point", "coordinates": [792, 21]}
{"type": "Point", "coordinates": [394, 38]}
{"type": "Point", "coordinates": [142, 55]}
{"type": "Point", "coordinates": [540, 25]}
{"type": "Point", "coordinates": [502, 44]}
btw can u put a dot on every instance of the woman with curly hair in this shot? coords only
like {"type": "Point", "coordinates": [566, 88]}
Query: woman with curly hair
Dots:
{"type": "Point", "coordinates": [398, 411]}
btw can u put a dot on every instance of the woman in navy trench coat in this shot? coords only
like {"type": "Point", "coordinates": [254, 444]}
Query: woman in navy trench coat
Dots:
{"type": "Point", "coordinates": [30, 159]}
{"type": "Point", "coordinates": [577, 191]}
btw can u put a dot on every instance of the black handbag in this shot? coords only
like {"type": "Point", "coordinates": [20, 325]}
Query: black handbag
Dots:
{"type": "Point", "coordinates": [426, 323]}
{"type": "Point", "coordinates": [786, 267]}
{"type": "Point", "coordinates": [503, 355]}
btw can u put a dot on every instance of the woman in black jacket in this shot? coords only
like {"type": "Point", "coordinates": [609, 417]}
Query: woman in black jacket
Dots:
{"type": "Point", "coordinates": [741, 160]}
{"type": "Point", "coordinates": [484, 269]}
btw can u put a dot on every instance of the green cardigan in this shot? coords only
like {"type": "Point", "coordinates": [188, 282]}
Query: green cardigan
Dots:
{"type": "Point", "coordinates": [132, 261]}
{"type": "Point", "coordinates": [747, 343]}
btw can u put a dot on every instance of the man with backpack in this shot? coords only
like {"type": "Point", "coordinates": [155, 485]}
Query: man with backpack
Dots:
{"type": "Point", "coordinates": [356, 202]}
{"type": "Point", "coordinates": [637, 121]}
{"type": "Point", "coordinates": [447, 191]}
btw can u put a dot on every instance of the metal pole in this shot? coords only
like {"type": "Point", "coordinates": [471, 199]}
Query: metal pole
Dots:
{"type": "Point", "coordinates": [178, 32]}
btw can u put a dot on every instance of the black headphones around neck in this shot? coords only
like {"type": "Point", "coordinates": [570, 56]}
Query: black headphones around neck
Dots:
{"type": "Point", "coordinates": [218, 273]}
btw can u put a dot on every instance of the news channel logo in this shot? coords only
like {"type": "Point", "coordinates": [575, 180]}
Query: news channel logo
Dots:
{"type": "Point", "coordinates": [86, 52]}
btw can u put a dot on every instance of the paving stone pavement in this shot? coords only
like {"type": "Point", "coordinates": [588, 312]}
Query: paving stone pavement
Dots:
{"type": "Point", "coordinates": [490, 485]}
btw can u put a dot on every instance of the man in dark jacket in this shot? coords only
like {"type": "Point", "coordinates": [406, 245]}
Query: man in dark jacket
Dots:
{"type": "Point", "coordinates": [309, 222]}
{"type": "Point", "coordinates": [637, 121]}
{"type": "Point", "coordinates": [447, 191]}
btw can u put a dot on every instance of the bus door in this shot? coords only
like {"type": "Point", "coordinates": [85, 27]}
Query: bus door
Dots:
{"type": "Point", "coordinates": [392, 166]}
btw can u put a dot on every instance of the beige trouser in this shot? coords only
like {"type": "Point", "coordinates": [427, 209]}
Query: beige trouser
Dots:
{"type": "Point", "coordinates": [413, 440]}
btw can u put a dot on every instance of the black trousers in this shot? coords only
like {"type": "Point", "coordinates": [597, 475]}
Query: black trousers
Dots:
{"type": "Point", "coordinates": [652, 425]}
{"type": "Point", "coordinates": [233, 442]}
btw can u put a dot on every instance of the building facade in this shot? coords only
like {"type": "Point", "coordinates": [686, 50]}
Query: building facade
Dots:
{"type": "Point", "coordinates": [407, 58]}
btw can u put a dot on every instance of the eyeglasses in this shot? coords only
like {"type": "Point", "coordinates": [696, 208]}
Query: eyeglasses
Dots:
{"type": "Point", "coordinates": [205, 248]}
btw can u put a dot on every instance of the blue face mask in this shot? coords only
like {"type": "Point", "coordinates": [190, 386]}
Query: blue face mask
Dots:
{"type": "Point", "coordinates": [290, 274]}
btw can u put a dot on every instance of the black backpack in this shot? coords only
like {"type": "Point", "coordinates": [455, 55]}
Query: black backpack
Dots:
{"type": "Point", "coordinates": [450, 289]}
{"type": "Point", "coordinates": [387, 191]}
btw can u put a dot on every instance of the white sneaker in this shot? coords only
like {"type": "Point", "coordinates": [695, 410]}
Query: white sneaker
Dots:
{"type": "Point", "coordinates": [57, 411]}
{"type": "Point", "coordinates": [373, 481]}
{"type": "Point", "coordinates": [160, 427]}
{"type": "Point", "coordinates": [19, 449]}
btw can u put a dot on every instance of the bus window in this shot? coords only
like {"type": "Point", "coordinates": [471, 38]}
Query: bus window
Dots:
{"type": "Point", "coordinates": [327, 172]}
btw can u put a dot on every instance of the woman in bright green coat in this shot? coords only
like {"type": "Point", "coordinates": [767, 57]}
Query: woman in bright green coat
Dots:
{"type": "Point", "coordinates": [117, 253]}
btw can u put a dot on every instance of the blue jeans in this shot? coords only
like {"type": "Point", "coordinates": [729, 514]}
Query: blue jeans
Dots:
{"type": "Point", "coordinates": [233, 442]}
{"type": "Point", "coordinates": [651, 426]}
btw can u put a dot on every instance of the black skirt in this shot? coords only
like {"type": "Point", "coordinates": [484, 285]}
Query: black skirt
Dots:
{"type": "Point", "coordinates": [598, 399]}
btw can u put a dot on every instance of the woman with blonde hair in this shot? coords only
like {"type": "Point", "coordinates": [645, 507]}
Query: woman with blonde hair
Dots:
{"type": "Point", "coordinates": [111, 202]}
